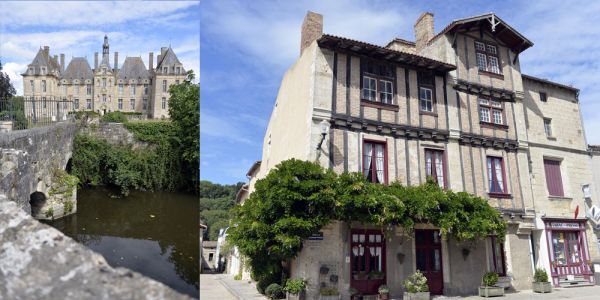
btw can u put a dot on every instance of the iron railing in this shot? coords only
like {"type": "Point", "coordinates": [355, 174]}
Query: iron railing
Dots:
{"type": "Point", "coordinates": [18, 113]}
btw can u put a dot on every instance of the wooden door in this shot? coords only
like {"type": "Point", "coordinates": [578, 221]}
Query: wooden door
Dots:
{"type": "Point", "coordinates": [428, 249]}
{"type": "Point", "coordinates": [367, 259]}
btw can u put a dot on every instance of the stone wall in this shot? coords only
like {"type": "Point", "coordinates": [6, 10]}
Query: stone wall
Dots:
{"type": "Point", "coordinates": [39, 262]}
{"type": "Point", "coordinates": [114, 134]}
{"type": "Point", "coordinates": [29, 159]}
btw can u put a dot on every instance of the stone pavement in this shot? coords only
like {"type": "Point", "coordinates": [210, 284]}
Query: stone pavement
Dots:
{"type": "Point", "coordinates": [580, 293]}
{"type": "Point", "coordinates": [224, 287]}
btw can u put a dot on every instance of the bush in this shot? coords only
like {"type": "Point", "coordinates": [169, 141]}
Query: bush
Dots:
{"type": "Point", "coordinates": [383, 289]}
{"type": "Point", "coordinates": [295, 286]}
{"type": "Point", "coordinates": [237, 277]}
{"type": "Point", "coordinates": [114, 117]}
{"type": "Point", "coordinates": [540, 275]}
{"type": "Point", "coordinates": [416, 283]}
{"type": "Point", "coordinates": [274, 291]}
{"type": "Point", "coordinates": [490, 278]}
{"type": "Point", "coordinates": [329, 292]}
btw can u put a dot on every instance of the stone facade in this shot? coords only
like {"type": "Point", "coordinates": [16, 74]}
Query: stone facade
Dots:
{"type": "Point", "coordinates": [462, 95]}
{"type": "Point", "coordinates": [105, 88]}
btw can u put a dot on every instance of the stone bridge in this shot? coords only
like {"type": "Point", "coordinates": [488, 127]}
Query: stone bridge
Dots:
{"type": "Point", "coordinates": [32, 164]}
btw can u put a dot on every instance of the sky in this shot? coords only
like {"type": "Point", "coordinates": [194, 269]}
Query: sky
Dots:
{"type": "Point", "coordinates": [248, 45]}
{"type": "Point", "coordinates": [77, 29]}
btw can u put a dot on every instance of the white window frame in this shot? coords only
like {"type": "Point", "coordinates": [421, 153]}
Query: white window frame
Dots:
{"type": "Point", "coordinates": [425, 98]}
{"type": "Point", "coordinates": [132, 104]}
{"type": "Point", "coordinates": [369, 88]}
{"type": "Point", "coordinates": [548, 127]}
{"type": "Point", "coordinates": [386, 96]}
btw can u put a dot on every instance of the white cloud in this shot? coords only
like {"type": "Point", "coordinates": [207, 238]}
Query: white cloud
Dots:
{"type": "Point", "coordinates": [222, 127]}
{"type": "Point", "coordinates": [86, 13]}
{"type": "Point", "coordinates": [14, 70]}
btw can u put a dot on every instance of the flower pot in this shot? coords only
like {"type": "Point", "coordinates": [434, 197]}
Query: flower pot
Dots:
{"type": "Point", "coordinates": [385, 296]}
{"type": "Point", "coordinates": [336, 297]}
{"type": "Point", "coordinates": [491, 291]}
{"type": "Point", "coordinates": [301, 296]}
{"type": "Point", "coordinates": [416, 296]}
{"type": "Point", "coordinates": [542, 287]}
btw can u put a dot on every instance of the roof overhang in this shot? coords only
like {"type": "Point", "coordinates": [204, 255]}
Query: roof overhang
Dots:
{"type": "Point", "coordinates": [546, 81]}
{"type": "Point", "coordinates": [496, 27]}
{"type": "Point", "coordinates": [254, 168]}
{"type": "Point", "coordinates": [374, 51]}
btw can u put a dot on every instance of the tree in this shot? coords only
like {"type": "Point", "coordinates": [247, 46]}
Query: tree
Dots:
{"type": "Point", "coordinates": [184, 110]}
{"type": "Point", "coordinates": [7, 90]}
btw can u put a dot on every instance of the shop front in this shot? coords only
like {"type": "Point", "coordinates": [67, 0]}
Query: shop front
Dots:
{"type": "Point", "coordinates": [568, 251]}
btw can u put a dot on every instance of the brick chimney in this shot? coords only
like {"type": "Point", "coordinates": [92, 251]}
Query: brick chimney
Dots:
{"type": "Point", "coordinates": [96, 61]}
{"type": "Point", "coordinates": [312, 29]}
{"type": "Point", "coordinates": [116, 61]}
{"type": "Point", "coordinates": [62, 62]}
{"type": "Point", "coordinates": [423, 30]}
{"type": "Point", "coordinates": [151, 60]}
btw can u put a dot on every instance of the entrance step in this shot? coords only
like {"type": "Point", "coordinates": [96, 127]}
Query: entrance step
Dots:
{"type": "Point", "coordinates": [578, 281]}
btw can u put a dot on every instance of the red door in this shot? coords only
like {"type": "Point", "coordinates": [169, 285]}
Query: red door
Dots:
{"type": "Point", "coordinates": [428, 249]}
{"type": "Point", "coordinates": [367, 253]}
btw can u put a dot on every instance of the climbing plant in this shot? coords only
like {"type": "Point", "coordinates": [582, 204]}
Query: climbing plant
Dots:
{"type": "Point", "coordinates": [297, 198]}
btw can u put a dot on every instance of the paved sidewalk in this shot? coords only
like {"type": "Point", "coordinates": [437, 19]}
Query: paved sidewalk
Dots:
{"type": "Point", "coordinates": [223, 287]}
{"type": "Point", "coordinates": [583, 293]}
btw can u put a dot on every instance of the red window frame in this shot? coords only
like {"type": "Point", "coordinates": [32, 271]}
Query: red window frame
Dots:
{"type": "Point", "coordinates": [374, 165]}
{"type": "Point", "coordinates": [494, 179]}
{"type": "Point", "coordinates": [553, 180]}
{"type": "Point", "coordinates": [433, 170]}
{"type": "Point", "coordinates": [496, 243]}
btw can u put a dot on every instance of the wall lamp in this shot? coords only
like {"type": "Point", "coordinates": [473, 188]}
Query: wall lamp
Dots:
{"type": "Point", "coordinates": [324, 127]}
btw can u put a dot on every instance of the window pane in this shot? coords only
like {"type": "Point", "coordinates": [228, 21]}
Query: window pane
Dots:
{"type": "Point", "coordinates": [497, 117]}
{"type": "Point", "coordinates": [439, 168]}
{"type": "Point", "coordinates": [428, 163]}
{"type": "Point", "coordinates": [573, 247]}
{"type": "Point", "coordinates": [491, 49]}
{"type": "Point", "coordinates": [379, 166]}
{"type": "Point", "coordinates": [494, 67]}
{"type": "Point", "coordinates": [426, 99]}
{"type": "Point", "coordinates": [484, 101]}
{"type": "Point", "coordinates": [558, 245]}
{"type": "Point", "coordinates": [496, 104]}
{"type": "Point", "coordinates": [479, 46]}
{"type": "Point", "coordinates": [484, 114]}
{"type": "Point", "coordinates": [481, 62]}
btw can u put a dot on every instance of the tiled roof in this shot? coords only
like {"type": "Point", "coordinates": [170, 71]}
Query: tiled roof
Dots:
{"type": "Point", "coordinates": [168, 59]}
{"type": "Point", "coordinates": [133, 68]}
{"type": "Point", "coordinates": [43, 59]}
{"type": "Point", "coordinates": [78, 68]}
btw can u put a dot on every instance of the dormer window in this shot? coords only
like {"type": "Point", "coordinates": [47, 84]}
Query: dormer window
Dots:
{"type": "Point", "coordinates": [31, 71]}
{"type": "Point", "coordinates": [487, 57]}
{"type": "Point", "coordinates": [43, 71]}
{"type": "Point", "coordinates": [177, 70]}
{"type": "Point", "coordinates": [165, 70]}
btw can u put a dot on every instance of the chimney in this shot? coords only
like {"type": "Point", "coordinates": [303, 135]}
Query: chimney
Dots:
{"type": "Point", "coordinates": [116, 60]}
{"type": "Point", "coordinates": [163, 50]}
{"type": "Point", "coordinates": [151, 60]}
{"type": "Point", "coordinates": [312, 29]}
{"type": "Point", "coordinates": [158, 59]}
{"type": "Point", "coordinates": [47, 50]}
{"type": "Point", "coordinates": [96, 61]}
{"type": "Point", "coordinates": [423, 30]}
{"type": "Point", "coordinates": [62, 62]}
{"type": "Point", "coordinates": [55, 58]}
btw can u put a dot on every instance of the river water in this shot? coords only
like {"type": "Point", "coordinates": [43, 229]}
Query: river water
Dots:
{"type": "Point", "coordinates": [153, 233]}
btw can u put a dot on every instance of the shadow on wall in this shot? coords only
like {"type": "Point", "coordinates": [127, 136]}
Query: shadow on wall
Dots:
{"type": "Point", "coordinates": [37, 201]}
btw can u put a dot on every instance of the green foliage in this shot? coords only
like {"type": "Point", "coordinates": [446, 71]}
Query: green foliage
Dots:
{"type": "Point", "coordinates": [114, 117]}
{"type": "Point", "coordinates": [13, 109]}
{"type": "Point", "coordinates": [329, 291]}
{"type": "Point", "coordinates": [84, 113]}
{"type": "Point", "coordinates": [298, 198]}
{"type": "Point", "coordinates": [383, 289]}
{"type": "Point", "coordinates": [274, 291]}
{"type": "Point", "coordinates": [68, 206]}
{"type": "Point", "coordinates": [214, 220]}
{"type": "Point", "coordinates": [7, 90]}
{"type": "Point", "coordinates": [540, 275]}
{"type": "Point", "coordinates": [184, 110]}
{"type": "Point", "coordinates": [416, 283]}
{"type": "Point", "coordinates": [63, 183]}
{"type": "Point", "coordinates": [50, 213]}
{"type": "Point", "coordinates": [490, 278]}
{"type": "Point", "coordinates": [237, 277]}
{"type": "Point", "coordinates": [152, 131]}
{"type": "Point", "coordinates": [295, 286]}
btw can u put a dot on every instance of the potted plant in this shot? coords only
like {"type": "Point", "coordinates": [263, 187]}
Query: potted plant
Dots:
{"type": "Point", "coordinates": [416, 287]}
{"type": "Point", "coordinates": [384, 292]}
{"type": "Point", "coordinates": [329, 294]}
{"type": "Point", "coordinates": [354, 294]}
{"type": "Point", "coordinates": [376, 275]}
{"type": "Point", "coordinates": [295, 288]}
{"type": "Point", "coordinates": [360, 275]}
{"type": "Point", "coordinates": [540, 282]}
{"type": "Point", "coordinates": [489, 288]}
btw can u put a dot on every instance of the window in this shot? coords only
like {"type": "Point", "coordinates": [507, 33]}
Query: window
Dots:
{"type": "Point", "coordinates": [210, 256]}
{"type": "Point", "coordinates": [566, 247]}
{"type": "Point", "coordinates": [145, 104]}
{"type": "Point", "coordinates": [132, 90]}
{"type": "Point", "coordinates": [76, 90]}
{"type": "Point", "coordinates": [32, 86]}
{"type": "Point", "coordinates": [88, 104]}
{"type": "Point", "coordinates": [120, 89]}
{"type": "Point", "coordinates": [104, 98]}
{"type": "Point", "coordinates": [76, 104]}
{"type": "Point", "coordinates": [495, 169]}
{"type": "Point", "coordinates": [103, 82]}
{"type": "Point", "coordinates": [88, 89]}
{"type": "Point", "coordinates": [145, 89]}
{"type": "Point", "coordinates": [543, 97]}
{"type": "Point", "coordinates": [434, 166]}
{"type": "Point", "coordinates": [43, 86]}
{"type": "Point", "coordinates": [164, 86]}
{"type": "Point", "coordinates": [490, 111]}
{"type": "Point", "coordinates": [497, 264]}
{"type": "Point", "coordinates": [426, 99]}
{"type": "Point", "coordinates": [377, 82]}
{"type": "Point", "coordinates": [164, 103]}
{"type": "Point", "coordinates": [43, 102]}
{"type": "Point", "coordinates": [487, 57]}
{"type": "Point", "coordinates": [132, 104]}
{"type": "Point", "coordinates": [30, 71]}
{"type": "Point", "coordinates": [553, 177]}
{"type": "Point", "coordinates": [165, 69]}
{"type": "Point", "coordinates": [548, 127]}
{"type": "Point", "coordinates": [43, 71]}
{"type": "Point", "coordinates": [177, 70]}
{"type": "Point", "coordinates": [368, 252]}
{"type": "Point", "coordinates": [64, 88]}
{"type": "Point", "coordinates": [120, 103]}
{"type": "Point", "coordinates": [374, 167]}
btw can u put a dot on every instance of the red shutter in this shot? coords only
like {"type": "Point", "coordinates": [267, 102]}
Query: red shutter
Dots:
{"type": "Point", "coordinates": [553, 178]}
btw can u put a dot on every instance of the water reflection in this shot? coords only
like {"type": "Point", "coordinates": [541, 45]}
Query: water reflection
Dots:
{"type": "Point", "coordinates": [152, 233]}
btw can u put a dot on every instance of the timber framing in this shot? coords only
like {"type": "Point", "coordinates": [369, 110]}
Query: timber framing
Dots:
{"type": "Point", "coordinates": [484, 90]}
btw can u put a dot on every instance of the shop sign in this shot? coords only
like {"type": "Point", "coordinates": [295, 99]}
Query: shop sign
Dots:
{"type": "Point", "coordinates": [316, 236]}
{"type": "Point", "coordinates": [564, 225]}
